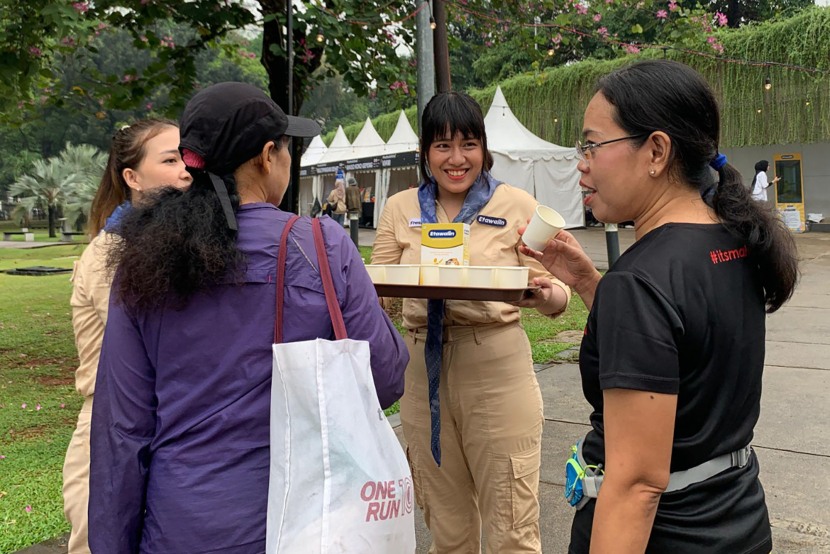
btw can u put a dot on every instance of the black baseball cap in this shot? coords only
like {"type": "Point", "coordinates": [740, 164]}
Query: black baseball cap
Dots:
{"type": "Point", "coordinates": [227, 124]}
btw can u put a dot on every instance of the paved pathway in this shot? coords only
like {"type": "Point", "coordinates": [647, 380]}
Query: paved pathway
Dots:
{"type": "Point", "coordinates": [29, 245]}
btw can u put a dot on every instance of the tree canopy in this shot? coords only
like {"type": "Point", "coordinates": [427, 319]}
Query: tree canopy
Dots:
{"type": "Point", "coordinates": [74, 71]}
{"type": "Point", "coordinates": [357, 39]}
{"type": "Point", "coordinates": [39, 127]}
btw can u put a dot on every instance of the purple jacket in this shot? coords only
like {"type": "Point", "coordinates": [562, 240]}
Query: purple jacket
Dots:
{"type": "Point", "coordinates": [180, 424]}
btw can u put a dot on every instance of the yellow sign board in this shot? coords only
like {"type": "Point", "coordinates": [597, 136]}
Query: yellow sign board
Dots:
{"type": "Point", "coordinates": [789, 191]}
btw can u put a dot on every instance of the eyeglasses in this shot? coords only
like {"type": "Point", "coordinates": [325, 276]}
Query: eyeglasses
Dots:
{"type": "Point", "coordinates": [583, 151]}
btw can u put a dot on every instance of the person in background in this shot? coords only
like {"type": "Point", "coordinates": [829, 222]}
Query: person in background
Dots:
{"type": "Point", "coordinates": [337, 201]}
{"type": "Point", "coordinates": [143, 157]}
{"type": "Point", "coordinates": [353, 201]}
{"type": "Point", "coordinates": [181, 426]}
{"type": "Point", "coordinates": [673, 354]}
{"type": "Point", "coordinates": [760, 183]}
{"type": "Point", "coordinates": [472, 410]}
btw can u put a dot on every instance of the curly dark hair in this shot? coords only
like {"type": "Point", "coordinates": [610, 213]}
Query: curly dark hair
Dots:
{"type": "Point", "coordinates": [175, 244]}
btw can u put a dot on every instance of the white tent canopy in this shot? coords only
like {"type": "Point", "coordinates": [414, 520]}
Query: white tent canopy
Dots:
{"type": "Point", "coordinates": [403, 139]}
{"type": "Point", "coordinates": [339, 149]}
{"type": "Point", "coordinates": [367, 143]}
{"type": "Point", "coordinates": [314, 152]}
{"type": "Point", "coordinates": [523, 160]}
{"type": "Point", "coordinates": [396, 179]}
{"type": "Point", "coordinates": [312, 155]}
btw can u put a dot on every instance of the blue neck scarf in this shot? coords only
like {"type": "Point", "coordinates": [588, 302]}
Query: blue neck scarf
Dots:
{"type": "Point", "coordinates": [113, 224]}
{"type": "Point", "coordinates": [477, 197]}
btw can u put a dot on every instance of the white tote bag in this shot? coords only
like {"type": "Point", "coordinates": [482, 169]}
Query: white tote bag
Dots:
{"type": "Point", "coordinates": [340, 482]}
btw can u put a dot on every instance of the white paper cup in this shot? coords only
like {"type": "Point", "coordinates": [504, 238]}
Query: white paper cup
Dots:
{"type": "Point", "coordinates": [430, 275]}
{"type": "Point", "coordinates": [546, 223]}
{"type": "Point", "coordinates": [512, 277]}
{"type": "Point", "coordinates": [377, 273]}
{"type": "Point", "coordinates": [452, 275]}
{"type": "Point", "coordinates": [481, 277]}
{"type": "Point", "coordinates": [403, 274]}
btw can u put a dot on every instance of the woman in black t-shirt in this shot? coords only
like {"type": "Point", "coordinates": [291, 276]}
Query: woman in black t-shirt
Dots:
{"type": "Point", "coordinates": [673, 352]}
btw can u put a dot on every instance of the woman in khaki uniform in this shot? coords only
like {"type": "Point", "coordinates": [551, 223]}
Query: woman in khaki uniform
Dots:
{"type": "Point", "coordinates": [143, 156]}
{"type": "Point", "coordinates": [485, 467]}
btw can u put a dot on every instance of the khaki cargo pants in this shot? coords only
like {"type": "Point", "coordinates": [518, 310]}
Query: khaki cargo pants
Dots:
{"type": "Point", "coordinates": [491, 432]}
{"type": "Point", "coordinates": [76, 482]}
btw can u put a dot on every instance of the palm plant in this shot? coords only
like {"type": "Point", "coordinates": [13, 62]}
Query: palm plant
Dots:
{"type": "Point", "coordinates": [67, 181]}
{"type": "Point", "coordinates": [88, 163]}
{"type": "Point", "coordinates": [46, 187]}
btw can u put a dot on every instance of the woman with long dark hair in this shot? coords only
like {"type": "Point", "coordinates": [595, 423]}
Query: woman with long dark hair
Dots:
{"type": "Point", "coordinates": [472, 410]}
{"type": "Point", "coordinates": [143, 157]}
{"type": "Point", "coordinates": [673, 352]}
{"type": "Point", "coordinates": [180, 430]}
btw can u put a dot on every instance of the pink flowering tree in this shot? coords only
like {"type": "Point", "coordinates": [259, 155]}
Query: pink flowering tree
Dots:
{"type": "Point", "coordinates": [513, 36]}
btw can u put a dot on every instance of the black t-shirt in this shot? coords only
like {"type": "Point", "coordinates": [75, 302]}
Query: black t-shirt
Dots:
{"type": "Point", "coordinates": [682, 312]}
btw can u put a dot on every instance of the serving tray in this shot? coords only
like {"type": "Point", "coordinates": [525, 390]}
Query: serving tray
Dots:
{"type": "Point", "coordinates": [453, 293]}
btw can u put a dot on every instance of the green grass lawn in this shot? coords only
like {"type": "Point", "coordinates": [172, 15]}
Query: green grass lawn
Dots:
{"type": "Point", "coordinates": [39, 405]}
{"type": "Point", "coordinates": [38, 402]}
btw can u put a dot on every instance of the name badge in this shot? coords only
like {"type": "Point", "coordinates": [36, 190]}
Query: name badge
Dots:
{"type": "Point", "coordinates": [494, 221]}
{"type": "Point", "coordinates": [415, 222]}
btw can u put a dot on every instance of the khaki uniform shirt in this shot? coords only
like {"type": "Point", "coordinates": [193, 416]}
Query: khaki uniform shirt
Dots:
{"type": "Point", "coordinates": [90, 303]}
{"type": "Point", "coordinates": [494, 241]}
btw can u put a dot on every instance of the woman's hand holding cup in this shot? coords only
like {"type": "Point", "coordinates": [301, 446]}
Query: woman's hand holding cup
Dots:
{"type": "Point", "coordinates": [564, 258]}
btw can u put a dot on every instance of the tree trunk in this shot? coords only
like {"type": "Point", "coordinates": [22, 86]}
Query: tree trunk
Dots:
{"type": "Point", "coordinates": [52, 222]}
{"type": "Point", "coordinates": [441, 50]}
{"type": "Point", "coordinates": [733, 14]}
{"type": "Point", "coordinates": [276, 65]}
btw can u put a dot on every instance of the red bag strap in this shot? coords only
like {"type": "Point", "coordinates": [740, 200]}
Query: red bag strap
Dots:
{"type": "Point", "coordinates": [328, 284]}
{"type": "Point", "coordinates": [325, 274]}
{"type": "Point", "coordinates": [281, 278]}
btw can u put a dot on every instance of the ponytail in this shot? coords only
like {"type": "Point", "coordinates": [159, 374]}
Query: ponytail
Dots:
{"type": "Point", "coordinates": [127, 150]}
{"type": "Point", "coordinates": [770, 243]}
{"type": "Point", "coordinates": [175, 245]}
{"type": "Point", "coordinates": [111, 193]}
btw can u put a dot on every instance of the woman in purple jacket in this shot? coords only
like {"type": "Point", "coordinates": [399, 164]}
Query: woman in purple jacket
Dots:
{"type": "Point", "coordinates": [180, 429]}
